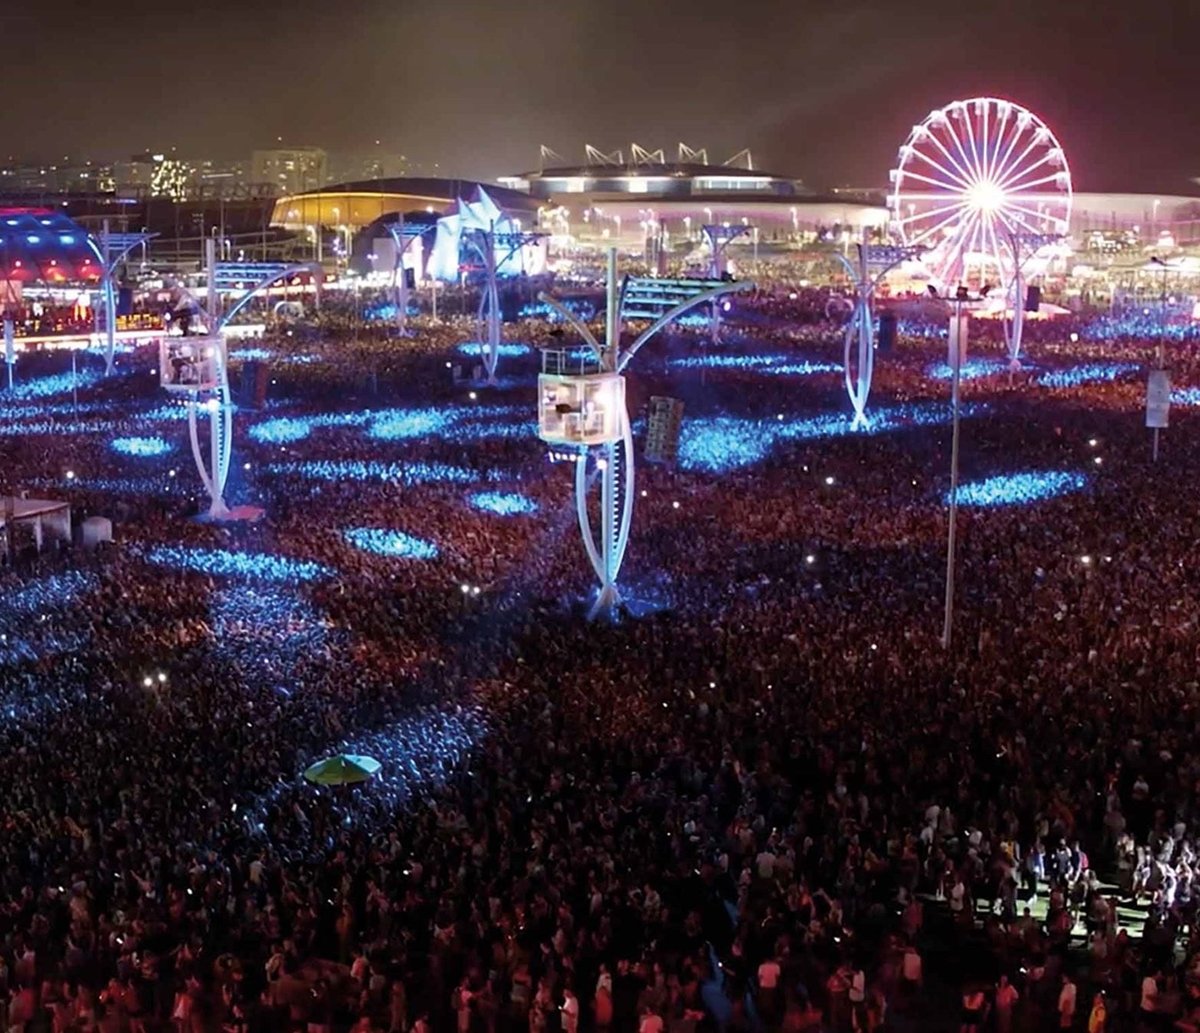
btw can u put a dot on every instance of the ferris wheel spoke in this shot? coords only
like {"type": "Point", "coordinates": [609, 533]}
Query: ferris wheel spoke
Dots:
{"type": "Point", "coordinates": [970, 132]}
{"type": "Point", "coordinates": [1001, 129]}
{"type": "Point", "coordinates": [1001, 164]}
{"type": "Point", "coordinates": [1016, 206]}
{"type": "Point", "coordinates": [1012, 178]}
{"type": "Point", "coordinates": [1019, 162]}
{"type": "Point", "coordinates": [962, 172]}
{"type": "Point", "coordinates": [997, 252]}
{"type": "Point", "coordinates": [931, 213]}
{"type": "Point", "coordinates": [958, 145]}
{"type": "Point", "coordinates": [925, 234]}
{"type": "Point", "coordinates": [1011, 216]}
{"type": "Point", "coordinates": [942, 168]}
{"type": "Point", "coordinates": [949, 188]}
{"type": "Point", "coordinates": [956, 246]}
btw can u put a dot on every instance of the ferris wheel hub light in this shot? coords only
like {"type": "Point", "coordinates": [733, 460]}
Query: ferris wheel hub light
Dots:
{"type": "Point", "coordinates": [986, 196]}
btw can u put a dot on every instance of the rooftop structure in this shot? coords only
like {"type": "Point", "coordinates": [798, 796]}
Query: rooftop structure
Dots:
{"type": "Point", "coordinates": [43, 244]}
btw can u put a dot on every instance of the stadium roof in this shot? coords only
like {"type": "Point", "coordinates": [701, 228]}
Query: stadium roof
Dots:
{"type": "Point", "coordinates": [43, 244]}
{"type": "Point", "coordinates": [675, 169]}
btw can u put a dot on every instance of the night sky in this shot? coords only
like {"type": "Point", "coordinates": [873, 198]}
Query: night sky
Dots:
{"type": "Point", "coordinates": [825, 90]}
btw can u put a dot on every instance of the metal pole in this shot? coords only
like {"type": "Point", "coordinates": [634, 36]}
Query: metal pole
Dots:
{"type": "Point", "coordinates": [110, 316]}
{"type": "Point", "coordinates": [612, 329]}
{"type": "Point", "coordinates": [214, 304]}
{"type": "Point", "coordinates": [400, 277]}
{"type": "Point", "coordinates": [953, 528]}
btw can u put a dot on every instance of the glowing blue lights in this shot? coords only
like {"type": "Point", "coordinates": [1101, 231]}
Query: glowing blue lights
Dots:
{"type": "Point", "coordinates": [284, 430]}
{"type": "Point", "coordinates": [374, 470]}
{"type": "Point", "coordinates": [416, 423]}
{"type": "Point", "coordinates": [503, 503]}
{"type": "Point", "coordinates": [972, 369]}
{"type": "Point", "coordinates": [53, 601]}
{"type": "Point", "coordinates": [68, 429]}
{"type": "Point", "coordinates": [141, 448]}
{"type": "Point", "coordinates": [1140, 324]}
{"type": "Point", "coordinates": [251, 354]}
{"type": "Point", "coordinates": [776, 365]}
{"type": "Point", "coordinates": [390, 543]}
{"type": "Point", "coordinates": [168, 412]}
{"type": "Point", "coordinates": [1187, 396]}
{"type": "Point", "coordinates": [507, 349]}
{"type": "Point", "coordinates": [451, 424]}
{"type": "Point", "coordinates": [720, 443]}
{"type": "Point", "coordinates": [1089, 373]}
{"type": "Point", "coordinates": [136, 486]}
{"type": "Point", "coordinates": [250, 565]}
{"type": "Point", "coordinates": [1019, 489]}
{"type": "Point", "coordinates": [54, 592]}
{"type": "Point", "coordinates": [269, 632]}
{"type": "Point", "coordinates": [58, 384]}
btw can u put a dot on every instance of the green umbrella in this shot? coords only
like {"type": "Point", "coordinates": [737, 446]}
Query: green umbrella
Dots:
{"type": "Point", "coordinates": [344, 769]}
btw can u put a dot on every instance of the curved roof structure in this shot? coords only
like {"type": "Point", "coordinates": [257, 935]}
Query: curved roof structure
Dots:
{"type": "Point", "coordinates": [43, 244]}
{"type": "Point", "coordinates": [362, 202]}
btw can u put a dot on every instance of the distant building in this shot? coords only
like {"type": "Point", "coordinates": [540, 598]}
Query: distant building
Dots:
{"type": "Point", "coordinates": [291, 170]}
{"type": "Point", "coordinates": [366, 165]}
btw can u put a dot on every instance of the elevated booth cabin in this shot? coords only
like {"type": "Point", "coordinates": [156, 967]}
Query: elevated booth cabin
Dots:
{"type": "Point", "coordinates": [578, 407]}
{"type": "Point", "coordinates": [191, 363]}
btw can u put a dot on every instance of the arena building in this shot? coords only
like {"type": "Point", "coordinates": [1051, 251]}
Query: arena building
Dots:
{"type": "Point", "coordinates": [612, 198]}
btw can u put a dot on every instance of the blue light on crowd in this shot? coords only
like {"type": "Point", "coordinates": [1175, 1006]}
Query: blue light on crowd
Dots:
{"type": "Point", "coordinates": [255, 566]}
{"type": "Point", "coordinates": [1140, 324]}
{"type": "Point", "coordinates": [65, 429]}
{"type": "Point", "coordinates": [58, 384]}
{"type": "Point", "coordinates": [1019, 489]}
{"type": "Point", "coordinates": [721, 443]}
{"type": "Point", "coordinates": [1089, 373]}
{"type": "Point", "coordinates": [374, 470]}
{"type": "Point", "coordinates": [142, 448]}
{"type": "Point", "coordinates": [503, 503]}
{"type": "Point", "coordinates": [283, 430]}
{"type": "Point", "coordinates": [506, 349]}
{"type": "Point", "coordinates": [55, 591]}
{"type": "Point", "coordinates": [250, 354]}
{"type": "Point", "coordinates": [776, 365]}
{"type": "Point", "coordinates": [390, 543]}
{"type": "Point", "coordinates": [1187, 396]}
{"type": "Point", "coordinates": [972, 369]}
{"type": "Point", "coordinates": [415, 423]}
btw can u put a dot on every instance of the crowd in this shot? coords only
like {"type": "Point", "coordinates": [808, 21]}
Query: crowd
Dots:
{"type": "Point", "coordinates": [775, 804]}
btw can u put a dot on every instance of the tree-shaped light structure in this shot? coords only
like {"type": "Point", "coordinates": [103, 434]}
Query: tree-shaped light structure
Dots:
{"type": "Point", "coordinates": [197, 367]}
{"type": "Point", "coordinates": [479, 232]}
{"type": "Point", "coordinates": [875, 261]}
{"type": "Point", "coordinates": [582, 412]}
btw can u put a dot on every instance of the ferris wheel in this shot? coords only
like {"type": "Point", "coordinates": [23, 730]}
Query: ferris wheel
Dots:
{"type": "Point", "coordinates": [973, 178]}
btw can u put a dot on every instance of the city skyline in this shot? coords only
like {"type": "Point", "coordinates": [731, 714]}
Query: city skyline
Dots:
{"type": "Point", "coordinates": [826, 95]}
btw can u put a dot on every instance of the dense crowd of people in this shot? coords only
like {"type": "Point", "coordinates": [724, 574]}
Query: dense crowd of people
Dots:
{"type": "Point", "coordinates": [773, 803]}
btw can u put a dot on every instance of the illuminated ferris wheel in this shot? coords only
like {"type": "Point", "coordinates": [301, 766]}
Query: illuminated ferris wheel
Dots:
{"type": "Point", "coordinates": [974, 179]}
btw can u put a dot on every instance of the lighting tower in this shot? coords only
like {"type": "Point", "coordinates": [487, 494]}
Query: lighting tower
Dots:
{"type": "Point", "coordinates": [582, 411]}
{"type": "Point", "coordinates": [875, 261]}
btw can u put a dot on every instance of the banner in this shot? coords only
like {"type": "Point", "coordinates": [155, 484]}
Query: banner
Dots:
{"type": "Point", "coordinates": [1158, 398]}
